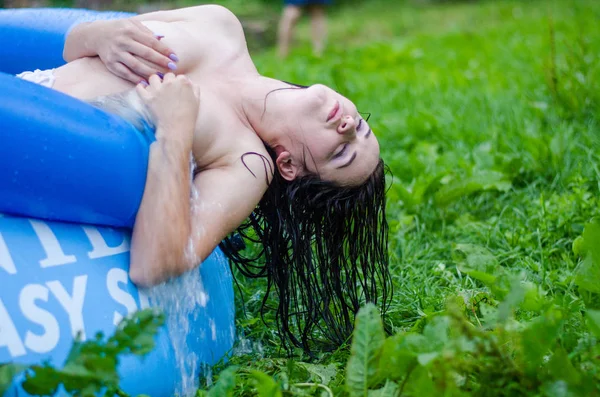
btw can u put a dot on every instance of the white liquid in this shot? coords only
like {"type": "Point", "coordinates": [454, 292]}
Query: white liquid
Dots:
{"type": "Point", "coordinates": [178, 299]}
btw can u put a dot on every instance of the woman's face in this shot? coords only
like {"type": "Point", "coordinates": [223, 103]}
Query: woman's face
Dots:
{"type": "Point", "coordinates": [333, 140]}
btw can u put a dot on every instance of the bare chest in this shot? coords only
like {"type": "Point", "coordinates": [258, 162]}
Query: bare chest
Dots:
{"type": "Point", "coordinates": [220, 136]}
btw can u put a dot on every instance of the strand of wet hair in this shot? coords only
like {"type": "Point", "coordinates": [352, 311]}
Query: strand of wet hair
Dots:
{"type": "Point", "coordinates": [348, 247]}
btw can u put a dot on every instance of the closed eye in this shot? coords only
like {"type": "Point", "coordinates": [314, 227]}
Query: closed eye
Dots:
{"type": "Point", "coordinates": [341, 152]}
{"type": "Point", "coordinates": [360, 125]}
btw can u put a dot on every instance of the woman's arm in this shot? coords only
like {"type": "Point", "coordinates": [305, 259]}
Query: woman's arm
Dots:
{"type": "Point", "coordinates": [130, 50]}
{"type": "Point", "coordinates": [90, 38]}
{"type": "Point", "coordinates": [162, 224]}
{"type": "Point", "coordinates": [163, 247]}
{"type": "Point", "coordinates": [127, 48]}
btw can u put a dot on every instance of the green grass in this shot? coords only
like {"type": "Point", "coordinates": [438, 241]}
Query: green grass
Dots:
{"type": "Point", "coordinates": [488, 116]}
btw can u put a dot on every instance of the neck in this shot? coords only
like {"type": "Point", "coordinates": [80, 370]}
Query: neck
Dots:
{"type": "Point", "coordinates": [264, 105]}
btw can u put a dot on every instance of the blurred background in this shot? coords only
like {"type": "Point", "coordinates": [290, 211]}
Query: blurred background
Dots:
{"type": "Point", "coordinates": [259, 17]}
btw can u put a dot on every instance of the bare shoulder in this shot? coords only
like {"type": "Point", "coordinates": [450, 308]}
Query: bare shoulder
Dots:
{"type": "Point", "coordinates": [219, 12]}
{"type": "Point", "coordinates": [229, 189]}
{"type": "Point", "coordinates": [242, 162]}
{"type": "Point", "coordinates": [199, 20]}
{"type": "Point", "coordinates": [203, 13]}
{"type": "Point", "coordinates": [228, 194]}
{"type": "Point", "coordinates": [215, 16]}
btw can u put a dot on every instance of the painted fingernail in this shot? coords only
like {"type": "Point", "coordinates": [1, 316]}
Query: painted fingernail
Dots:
{"type": "Point", "coordinates": [159, 74]}
{"type": "Point", "coordinates": [174, 58]}
{"type": "Point", "coordinates": [172, 66]}
{"type": "Point", "coordinates": [144, 83]}
{"type": "Point", "coordinates": [159, 36]}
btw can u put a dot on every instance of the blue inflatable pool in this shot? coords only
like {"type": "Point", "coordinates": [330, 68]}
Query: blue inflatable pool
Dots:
{"type": "Point", "coordinates": [71, 180]}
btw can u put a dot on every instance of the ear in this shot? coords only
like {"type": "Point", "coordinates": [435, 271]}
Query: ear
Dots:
{"type": "Point", "coordinates": [286, 166]}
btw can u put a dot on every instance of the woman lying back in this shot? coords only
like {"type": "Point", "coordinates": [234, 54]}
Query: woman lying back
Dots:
{"type": "Point", "coordinates": [296, 169]}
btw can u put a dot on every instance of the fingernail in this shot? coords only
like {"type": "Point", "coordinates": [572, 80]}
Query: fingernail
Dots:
{"type": "Point", "coordinates": [174, 58]}
{"type": "Point", "coordinates": [144, 83]}
{"type": "Point", "coordinates": [172, 66]}
{"type": "Point", "coordinates": [159, 36]}
{"type": "Point", "coordinates": [159, 74]}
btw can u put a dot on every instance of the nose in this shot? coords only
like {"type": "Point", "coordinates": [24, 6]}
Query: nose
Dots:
{"type": "Point", "coordinates": [347, 126]}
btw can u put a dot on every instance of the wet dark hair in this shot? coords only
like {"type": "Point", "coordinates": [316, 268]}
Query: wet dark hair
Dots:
{"type": "Point", "coordinates": [324, 249]}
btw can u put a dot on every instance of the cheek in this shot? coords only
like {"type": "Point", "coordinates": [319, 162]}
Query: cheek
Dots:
{"type": "Point", "coordinates": [327, 143]}
{"type": "Point", "coordinates": [317, 154]}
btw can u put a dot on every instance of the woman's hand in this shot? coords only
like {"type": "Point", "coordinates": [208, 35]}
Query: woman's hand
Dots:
{"type": "Point", "coordinates": [126, 47]}
{"type": "Point", "coordinates": [133, 52]}
{"type": "Point", "coordinates": [174, 103]}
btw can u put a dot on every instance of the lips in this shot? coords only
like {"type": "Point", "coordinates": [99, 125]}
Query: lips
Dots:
{"type": "Point", "coordinates": [334, 111]}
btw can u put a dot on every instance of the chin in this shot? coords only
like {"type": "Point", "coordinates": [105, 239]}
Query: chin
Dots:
{"type": "Point", "coordinates": [319, 91]}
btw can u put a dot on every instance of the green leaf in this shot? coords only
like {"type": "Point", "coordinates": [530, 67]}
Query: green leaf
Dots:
{"type": "Point", "coordinates": [593, 321]}
{"type": "Point", "coordinates": [419, 383]}
{"type": "Point", "coordinates": [539, 336]}
{"type": "Point", "coordinates": [389, 390]}
{"type": "Point", "coordinates": [225, 384]}
{"type": "Point", "coordinates": [91, 366]}
{"type": "Point", "coordinates": [511, 301]}
{"type": "Point", "coordinates": [558, 388]}
{"type": "Point", "coordinates": [476, 261]}
{"type": "Point", "coordinates": [399, 193]}
{"type": "Point", "coordinates": [367, 342]}
{"type": "Point", "coordinates": [560, 367]}
{"type": "Point", "coordinates": [265, 385]}
{"type": "Point", "coordinates": [588, 272]}
{"type": "Point", "coordinates": [135, 334]}
{"type": "Point", "coordinates": [436, 331]}
{"type": "Point", "coordinates": [43, 381]}
{"type": "Point", "coordinates": [484, 180]}
{"type": "Point", "coordinates": [324, 373]}
{"type": "Point", "coordinates": [7, 374]}
{"type": "Point", "coordinates": [426, 358]}
{"type": "Point", "coordinates": [578, 246]}
{"type": "Point", "coordinates": [533, 300]}
{"type": "Point", "coordinates": [398, 356]}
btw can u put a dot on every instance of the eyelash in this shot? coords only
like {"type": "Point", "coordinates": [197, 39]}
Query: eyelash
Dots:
{"type": "Point", "coordinates": [341, 152]}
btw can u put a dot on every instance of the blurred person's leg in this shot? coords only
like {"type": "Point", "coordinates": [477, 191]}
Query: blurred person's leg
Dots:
{"type": "Point", "coordinates": [289, 18]}
{"type": "Point", "coordinates": [318, 17]}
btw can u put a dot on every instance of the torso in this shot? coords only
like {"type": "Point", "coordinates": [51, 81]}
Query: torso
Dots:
{"type": "Point", "coordinates": [214, 56]}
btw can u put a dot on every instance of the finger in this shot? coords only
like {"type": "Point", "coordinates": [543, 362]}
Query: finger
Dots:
{"type": "Point", "coordinates": [143, 93]}
{"type": "Point", "coordinates": [184, 79]}
{"type": "Point", "coordinates": [123, 72]}
{"type": "Point", "coordinates": [157, 49]}
{"type": "Point", "coordinates": [136, 66]}
{"type": "Point", "coordinates": [154, 80]}
{"type": "Point", "coordinates": [169, 77]}
{"type": "Point", "coordinates": [151, 56]}
{"type": "Point", "coordinates": [141, 27]}
{"type": "Point", "coordinates": [141, 89]}
{"type": "Point", "coordinates": [150, 40]}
